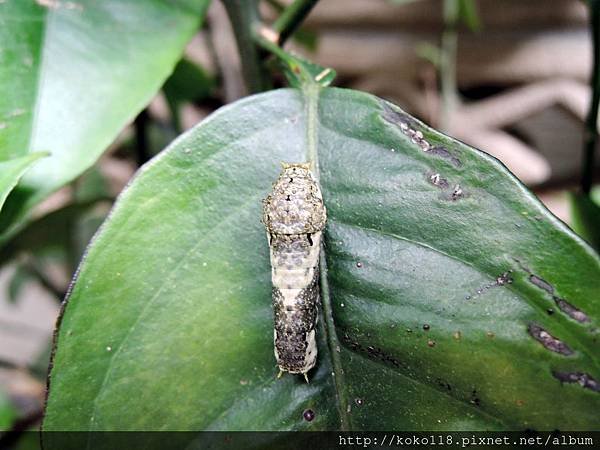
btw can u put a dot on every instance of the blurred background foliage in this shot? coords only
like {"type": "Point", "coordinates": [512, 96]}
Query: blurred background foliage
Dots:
{"type": "Point", "coordinates": [509, 77]}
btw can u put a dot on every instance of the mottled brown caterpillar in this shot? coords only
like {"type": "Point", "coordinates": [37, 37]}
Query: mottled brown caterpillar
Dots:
{"type": "Point", "coordinates": [294, 216]}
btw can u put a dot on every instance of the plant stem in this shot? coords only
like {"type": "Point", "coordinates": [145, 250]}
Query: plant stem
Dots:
{"type": "Point", "coordinates": [291, 18]}
{"type": "Point", "coordinates": [448, 62]}
{"type": "Point", "coordinates": [244, 18]}
{"type": "Point", "coordinates": [591, 125]}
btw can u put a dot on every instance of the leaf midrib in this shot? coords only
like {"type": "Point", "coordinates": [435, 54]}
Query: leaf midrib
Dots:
{"type": "Point", "coordinates": [311, 96]}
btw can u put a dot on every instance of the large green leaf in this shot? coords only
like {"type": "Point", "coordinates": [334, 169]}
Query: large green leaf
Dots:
{"type": "Point", "coordinates": [452, 299]}
{"type": "Point", "coordinates": [73, 74]}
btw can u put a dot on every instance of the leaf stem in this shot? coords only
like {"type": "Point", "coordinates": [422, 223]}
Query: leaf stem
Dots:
{"type": "Point", "coordinates": [448, 62]}
{"type": "Point", "coordinates": [291, 18]}
{"type": "Point", "coordinates": [244, 18]}
{"type": "Point", "coordinates": [591, 125]}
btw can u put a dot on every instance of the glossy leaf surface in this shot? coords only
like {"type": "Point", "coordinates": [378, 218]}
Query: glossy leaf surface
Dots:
{"type": "Point", "coordinates": [452, 299]}
{"type": "Point", "coordinates": [73, 74]}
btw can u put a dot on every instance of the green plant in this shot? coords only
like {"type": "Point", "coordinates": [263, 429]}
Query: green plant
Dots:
{"type": "Point", "coordinates": [452, 299]}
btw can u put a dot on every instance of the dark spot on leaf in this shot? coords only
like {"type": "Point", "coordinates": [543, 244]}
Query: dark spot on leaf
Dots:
{"type": "Point", "coordinates": [308, 415]}
{"type": "Point", "coordinates": [549, 341]}
{"type": "Point", "coordinates": [583, 379]}
{"type": "Point", "coordinates": [372, 351]}
{"type": "Point", "coordinates": [409, 127]}
{"type": "Point", "coordinates": [396, 117]}
{"type": "Point", "coordinates": [437, 180]}
{"type": "Point", "coordinates": [475, 400]}
{"type": "Point", "coordinates": [457, 193]}
{"type": "Point", "coordinates": [571, 311]}
{"type": "Point", "coordinates": [444, 153]}
{"type": "Point", "coordinates": [564, 305]}
{"type": "Point", "coordinates": [542, 284]}
{"type": "Point", "coordinates": [501, 280]}
{"type": "Point", "coordinates": [444, 384]}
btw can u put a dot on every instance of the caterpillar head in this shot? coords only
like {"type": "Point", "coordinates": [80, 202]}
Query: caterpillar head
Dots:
{"type": "Point", "coordinates": [295, 205]}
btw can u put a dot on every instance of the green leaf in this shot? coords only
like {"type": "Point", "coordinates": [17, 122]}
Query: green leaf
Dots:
{"type": "Point", "coordinates": [188, 83]}
{"type": "Point", "coordinates": [585, 215]}
{"type": "Point", "coordinates": [12, 170]}
{"type": "Point", "coordinates": [18, 280]}
{"type": "Point", "coordinates": [73, 75]}
{"type": "Point", "coordinates": [431, 53]}
{"type": "Point", "coordinates": [299, 72]}
{"type": "Point", "coordinates": [467, 11]}
{"type": "Point", "coordinates": [8, 414]}
{"type": "Point", "coordinates": [452, 299]}
{"type": "Point", "coordinates": [59, 236]}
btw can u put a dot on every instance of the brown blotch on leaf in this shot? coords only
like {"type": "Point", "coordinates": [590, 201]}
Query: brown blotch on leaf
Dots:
{"type": "Point", "coordinates": [549, 341]}
{"type": "Point", "coordinates": [571, 310]}
{"type": "Point", "coordinates": [541, 283]}
{"type": "Point", "coordinates": [583, 379]}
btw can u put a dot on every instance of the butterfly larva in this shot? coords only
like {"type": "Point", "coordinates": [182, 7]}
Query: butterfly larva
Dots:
{"type": "Point", "coordinates": [294, 216]}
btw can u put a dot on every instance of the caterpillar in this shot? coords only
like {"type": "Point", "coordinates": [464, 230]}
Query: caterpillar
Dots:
{"type": "Point", "coordinates": [294, 216]}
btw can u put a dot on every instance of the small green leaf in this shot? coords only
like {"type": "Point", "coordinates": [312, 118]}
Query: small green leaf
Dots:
{"type": "Point", "coordinates": [467, 11]}
{"type": "Point", "coordinates": [12, 170]}
{"type": "Point", "coordinates": [8, 414]}
{"type": "Point", "coordinates": [585, 216]}
{"type": "Point", "coordinates": [452, 299]}
{"type": "Point", "coordinates": [19, 278]}
{"type": "Point", "coordinates": [188, 83]}
{"type": "Point", "coordinates": [430, 53]}
{"type": "Point", "coordinates": [57, 237]}
{"type": "Point", "coordinates": [300, 72]}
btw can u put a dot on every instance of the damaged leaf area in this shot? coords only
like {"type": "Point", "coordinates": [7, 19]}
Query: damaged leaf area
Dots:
{"type": "Point", "coordinates": [445, 286]}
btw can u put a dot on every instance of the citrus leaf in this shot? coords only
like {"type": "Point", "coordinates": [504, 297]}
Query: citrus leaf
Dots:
{"type": "Point", "coordinates": [451, 298]}
{"type": "Point", "coordinates": [74, 74]}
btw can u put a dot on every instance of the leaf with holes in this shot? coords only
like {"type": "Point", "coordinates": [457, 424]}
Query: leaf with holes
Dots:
{"type": "Point", "coordinates": [451, 298]}
{"type": "Point", "coordinates": [73, 74]}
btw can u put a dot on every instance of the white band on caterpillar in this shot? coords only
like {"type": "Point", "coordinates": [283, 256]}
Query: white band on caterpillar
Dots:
{"type": "Point", "coordinates": [294, 216]}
